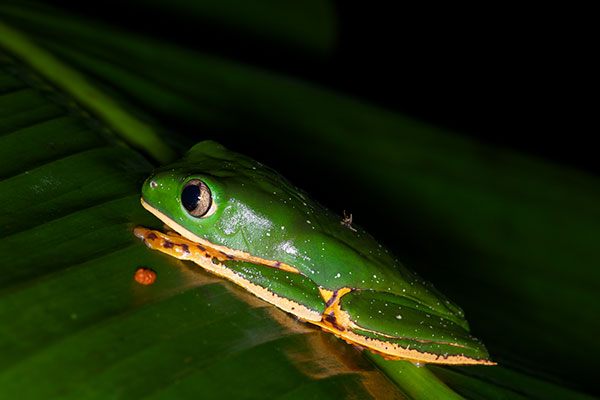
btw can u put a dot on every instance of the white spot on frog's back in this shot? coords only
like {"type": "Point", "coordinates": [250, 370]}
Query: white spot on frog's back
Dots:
{"type": "Point", "coordinates": [237, 216]}
{"type": "Point", "coordinates": [289, 248]}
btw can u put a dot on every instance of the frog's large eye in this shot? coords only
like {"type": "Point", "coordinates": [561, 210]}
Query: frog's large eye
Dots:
{"type": "Point", "coordinates": [196, 198]}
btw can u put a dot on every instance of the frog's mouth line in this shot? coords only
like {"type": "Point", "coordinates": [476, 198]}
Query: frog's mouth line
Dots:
{"type": "Point", "coordinates": [231, 254]}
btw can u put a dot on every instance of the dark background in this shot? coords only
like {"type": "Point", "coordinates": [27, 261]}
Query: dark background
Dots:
{"type": "Point", "coordinates": [521, 77]}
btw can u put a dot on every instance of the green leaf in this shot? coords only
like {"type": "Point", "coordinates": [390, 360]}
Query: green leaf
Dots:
{"type": "Point", "coordinates": [511, 238]}
{"type": "Point", "coordinates": [131, 128]}
{"type": "Point", "coordinates": [75, 324]}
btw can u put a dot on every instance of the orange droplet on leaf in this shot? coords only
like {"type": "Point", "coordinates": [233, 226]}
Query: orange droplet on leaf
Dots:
{"type": "Point", "coordinates": [145, 276]}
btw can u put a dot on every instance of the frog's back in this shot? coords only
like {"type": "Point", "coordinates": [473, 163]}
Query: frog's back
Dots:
{"type": "Point", "coordinates": [304, 234]}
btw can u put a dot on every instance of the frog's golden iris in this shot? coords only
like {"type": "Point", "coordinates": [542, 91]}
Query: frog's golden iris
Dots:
{"type": "Point", "coordinates": [196, 198]}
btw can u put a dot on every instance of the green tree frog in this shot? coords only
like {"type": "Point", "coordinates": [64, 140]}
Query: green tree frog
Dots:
{"type": "Point", "coordinates": [242, 221]}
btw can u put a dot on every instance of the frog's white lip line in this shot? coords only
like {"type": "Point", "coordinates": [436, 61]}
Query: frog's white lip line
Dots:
{"type": "Point", "coordinates": [234, 254]}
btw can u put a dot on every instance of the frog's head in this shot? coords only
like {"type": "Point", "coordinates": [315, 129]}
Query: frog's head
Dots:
{"type": "Point", "coordinates": [222, 197]}
{"type": "Point", "coordinates": [181, 197]}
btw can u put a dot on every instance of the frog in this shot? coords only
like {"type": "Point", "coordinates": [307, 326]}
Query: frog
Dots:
{"type": "Point", "coordinates": [242, 221]}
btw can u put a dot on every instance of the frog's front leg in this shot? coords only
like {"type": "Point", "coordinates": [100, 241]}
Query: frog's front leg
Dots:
{"type": "Point", "coordinates": [175, 245]}
{"type": "Point", "coordinates": [290, 291]}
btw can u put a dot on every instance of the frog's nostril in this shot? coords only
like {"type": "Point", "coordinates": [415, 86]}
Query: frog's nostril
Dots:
{"type": "Point", "coordinates": [153, 184]}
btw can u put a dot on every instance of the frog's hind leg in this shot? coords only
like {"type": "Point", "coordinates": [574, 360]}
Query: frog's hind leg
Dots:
{"type": "Point", "coordinates": [400, 328]}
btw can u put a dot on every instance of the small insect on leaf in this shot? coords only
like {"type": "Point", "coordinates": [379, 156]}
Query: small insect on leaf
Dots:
{"type": "Point", "coordinates": [347, 222]}
{"type": "Point", "coordinates": [145, 276]}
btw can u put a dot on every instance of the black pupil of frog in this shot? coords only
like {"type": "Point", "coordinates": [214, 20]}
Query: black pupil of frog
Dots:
{"type": "Point", "coordinates": [190, 197]}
